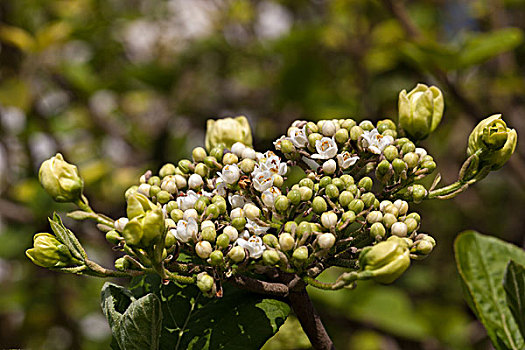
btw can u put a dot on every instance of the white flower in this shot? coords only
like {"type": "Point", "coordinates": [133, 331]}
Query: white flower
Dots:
{"type": "Point", "coordinates": [268, 197]}
{"type": "Point", "coordinates": [120, 223]}
{"type": "Point", "coordinates": [230, 173]}
{"type": "Point", "coordinates": [195, 181]}
{"type": "Point", "coordinates": [238, 148]}
{"type": "Point", "coordinates": [298, 136]}
{"type": "Point", "coordinates": [375, 142]}
{"type": "Point", "coordinates": [220, 188]}
{"type": "Point", "coordinates": [248, 153]}
{"type": "Point", "coordinates": [345, 159]}
{"type": "Point", "coordinates": [254, 245]}
{"type": "Point", "coordinates": [236, 201]}
{"type": "Point", "coordinates": [272, 163]}
{"type": "Point", "coordinates": [255, 228]}
{"type": "Point", "coordinates": [421, 152]}
{"type": "Point", "coordinates": [326, 148]}
{"type": "Point", "coordinates": [262, 180]}
{"type": "Point", "coordinates": [187, 201]}
{"type": "Point", "coordinates": [329, 166]}
{"type": "Point", "coordinates": [186, 230]}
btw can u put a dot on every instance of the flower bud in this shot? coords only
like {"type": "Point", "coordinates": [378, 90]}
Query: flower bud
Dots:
{"type": "Point", "coordinates": [198, 154]}
{"type": "Point", "coordinates": [374, 216]}
{"type": "Point", "coordinates": [329, 219]}
{"type": "Point", "coordinates": [368, 199]}
{"type": "Point", "coordinates": [237, 254]}
{"type": "Point", "coordinates": [282, 203]}
{"type": "Point", "coordinates": [48, 252]}
{"type": "Point", "coordinates": [113, 237]}
{"type": "Point", "coordinates": [216, 258]}
{"type": "Point", "coordinates": [271, 257]}
{"type": "Point", "coordinates": [213, 211]}
{"type": "Point", "coordinates": [366, 183]}
{"type": "Point", "coordinates": [411, 159]}
{"type": "Point", "coordinates": [328, 128]}
{"type": "Point", "coordinates": [185, 165]}
{"type": "Point", "coordinates": [202, 170]}
{"type": "Point", "coordinates": [251, 211]}
{"type": "Point", "coordinates": [122, 264]}
{"type": "Point", "coordinates": [329, 166]}
{"type": "Point", "coordinates": [163, 197]}
{"type": "Point", "coordinates": [232, 233]}
{"type": "Point", "coordinates": [247, 166]}
{"type": "Point", "coordinates": [176, 214]}
{"type": "Point", "coordinates": [203, 249]}
{"type": "Point", "coordinates": [205, 282]}
{"type": "Point", "coordinates": [209, 234]}
{"type": "Point", "coordinates": [170, 239]}
{"type": "Point", "coordinates": [294, 196]}
{"type": "Point", "coordinates": [326, 241]}
{"type": "Point", "coordinates": [496, 141]}
{"type": "Point", "coordinates": [60, 179]}
{"type": "Point", "coordinates": [167, 169]}
{"type": "Point", "coordinates": [356, 132]}
{"type": "Point", "coordinates": [399, 166]}
{"type": "Point", "coordinates": [230, 158]}
{"type": "Point", "coordinates": [286, 241]}
{"type": "Point", "coordinates": [420, 110]}
{"type": "Point", "coordinates": [228, 131]}
{"type": "Point", "coordinates": [287, 146]}
{"type": "Point", "coordinates": [341, 136]}
{"type": "Point", "coordinates": [384, 125]}
{"type": "Point", "coordinates": [270, 240]}
{"type": "Point", "coordinates": [304, 228]}
{"type": "Point", "coordinates": [356, 206]}
{"type": "Point", "coordinates": [385, 261]}
{"type": "Point", "coordinates": [419, 192]}
{"type": "Point", "coordinates": [377, 229]}
{"type": "Point", "coordinates": [306, 193]}
{"type": "Point", "coordinates": [412, 224]}
{"type": "Point", "coordinates": [153, 226]}
{"type": "Point", "coordinates": [319, 205]}
{"type": "Point", "coordinates": [345, 198]}
{"type": "Point", "coordinates": [300, 254]}
{"type": "Point", "coordinates": [239, 223]}
{"type": "Point", "coordinates": [399, 229]}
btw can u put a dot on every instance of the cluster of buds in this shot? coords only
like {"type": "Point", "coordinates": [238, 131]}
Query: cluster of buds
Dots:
{"type": "Point", "coordinates": [230, 210]}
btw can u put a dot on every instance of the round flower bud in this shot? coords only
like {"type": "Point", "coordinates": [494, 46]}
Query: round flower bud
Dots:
{"type": "Point", "coordinates": [366, 183]}
{"type": "Point", "coordinates": [237, 254]}
{"type": "Point", "coordinates": [61, 179]}
{"type": "Point", "coordinates": [217, 152]}
{"type": "Point", "coordinates": [385, 124]}
{"type": "Point", "coordinates": [247, 165]}
{"type": "Point", "coordinates": [399, 229]}
{"type": "Point", "coordinates": [170, 206]}
{"type": "Point", "coordinates": [348, 124]}
{"type": "Point", "coordinates": [277, 180]}
{"type": "Point", "coordinates": [345, 198]}
{"type": "Point", "coordinates": [391, 153]}
{"type": "Point", "coordinates": [319, 205]}
{"type": "Point", "coordinates": [402, 206]}
{"type": "Point", "coordinates": [368, 199]}
{"type": "Point", "coordinates": [271, 257]}
{"type": "Point", "coordinates": [347, 180]}
{"type": "Point", "coordinates": [185, 165]}
{"type": "Point", "coordinates": [176, 214]}
{"type": "Point", "coordinates": [311, 127]}
{"type": "Point", "coordinates": [113, 237]}
{"type": "Point", "coordinates": [286, 241]}
{"type": "Point", "coordinates": [411, 224]}
{"type": "Point", "coordinates": [180, 181]}
{"type": "Point", "coordinates": [167, 169]}
{"type": "Point", "coordinates": [383, 168]}
{"type": "Point", "coordinates": [290, 226]}
{"type": "Point", "coordinates": [386, 261]}
{"type": "Point", "coordinates": [356, 206]}
{"type": "Point", "coordinates": [163, 197]}
{"type": "Point", "coordinates": [251, 211]}
{"type": "Point", "coordinates": [239, 223]}
{"type": "Point", "coordinates": [306, 182]}
{"type": "Point", "coordinates": [190, 213]}
{"type": "Point", "coordinates": [213, 211]}
{"type": "Point", "coordinates": [422, 247]}
{"type": "Point", "coordinates": [287, 146]}
{"type": "Point", "coordinates": [237, 148]}
{"type": "Point", "coordinates": [341, 136]}
{"type": "Point", "coordinates": [120, 223]}
{"type": "Point", "coordinates": [209, 234]}
{"type": "Point", "coordinates": [374, 216]}
{"type": "Point", "coordinates": [205, 282]}
{"type": "Point", "coordinates": [223, 240]}
{"type": "Point", "coordinates": [282, 203]}
{"type": "Point", "coordinates": [329, 219]}
{"type": "Point", "coordinates": [366, 125]}
{"type": "Point", "coordinates": [389, 220]}
{"type": "Point", "coordinates": [411, 160]}
{"type": "Point", "coordinates": [230, 158]}
{"type": "Point", "coordinates": [300, 254]}
{"type": "Point", "coordinates": [203, 249]}
{"type": "Point", "coordinates": [399, 166]}
{"type": "Point", "coordinates": [48, 252]}
{"type": "Point", "coordinates": [228, 131]}
{"type": "Point", "coordinates": [329, 167]}
{"type": "Point", "coordinates": [326, 240]}
{"type": "Point", "coordinates": [216, 258]}
{"type": "Point", "coordinates": [415, 216]}
{"type": "Point", "coordinates": [198, 154]}
{"type": "Point", "coordinates": [202, 170]}
{"type": "Point", "coordinates": [391, 209]}
{"type": "Point", "coordinates": [377, 229]}
{"type": "Point", "coordinates": [270, 240]}
{"type": "Point", "coordinates": [348, 216]}
{"type": "Point", "coordinates": [170, 239]}
{"type": "Point", "coordinates": [408, 147]}
{"type": "Point", "coordinates": [294, 196]}
{"type": "Point", "coordinates": [325, 181]}
{"type": "Point", "coordinates": [304, 228]}
{"type": "Point", "coordinates": [122, 264]}
{"type": "Point", "coordinates": [232, 233]}
{"type": "Point", "coordinates": [419, 192]}
{"type": "Point", "coordinates": [332, 191]}
{"type": "Point", "coordinates": [237, 213]}
{"type": "Point", "coordinates": [429, 165]}
{"type": "Point", "coordinates": [420, 110]}
{"type": "Point", "coordinates": [249, 153]}
{"type": "Point", "coordinates": [306, 193]}
{"type": "Point", "coordinates": [356, 132]}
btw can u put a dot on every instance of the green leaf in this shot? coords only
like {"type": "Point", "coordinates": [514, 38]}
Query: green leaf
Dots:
{"type": "Point", "coordinates": [514, 285]}
{"type": "Point", "coordinates": [135, 323]}
{"type": "Point", "coordinates": [482, 47]}
{"type": "Point", "coordinates": [68, 238]}
{"type": "Point", "coordinates": [481, 261]}
{"type": "Point", "coordinates": [238, 320]}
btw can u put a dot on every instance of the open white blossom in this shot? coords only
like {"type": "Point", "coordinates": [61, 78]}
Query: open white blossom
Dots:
{"type": "Point", "coordinates": [375, 142]}
{"type": "Point", "coordinates": [220, 187]}
{"type": "Point", "coordinates": [298, 136]}
{"type": "Point", "coordinates": [255, 228]}
{"type": "Point", "coordinates": [272, 163]}
{"type": "Point", "coordinates": [186, 230]}
{"type": "Point", "coordinates": [230, 173]}
{"type": "Point", "coordinates": [187, 201]}
{"type": "Point", "coordinates": [326, 148]}
{"type": "Point", "coordinates": [254, 245]}
{"type": "Point", "coordinates": [236, 201]}
{"type": "Point", "coordinates": [262, 180]}
{"type": "Point", "coordinates": [268, 197]}
{"type": "Point", "coordinates": [345, 159]}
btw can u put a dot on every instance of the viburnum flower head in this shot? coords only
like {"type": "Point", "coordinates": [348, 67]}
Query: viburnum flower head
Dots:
{"type": "Point", "coordinates": [230, 174]}
{"type": "Point", "coordinates": [262, 180]}
{"type": "Point", "coordinates": [346, 160]}
{"type": "Point", "coordinates": [326, 148]}
{"type": "Point", "coordinates": [375, 142]}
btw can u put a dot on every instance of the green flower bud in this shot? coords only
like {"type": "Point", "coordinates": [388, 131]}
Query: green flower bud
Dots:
{"type": "Point", "coordinates": [167, 169]}
{"type": "Point", "coordinates": [205, 282]}
{"type": "Point", "coordinates": [384, 125]}
{"type": "Point", "coordinates": [341, 136]}
{"type": "Point", "coordinates": [419, 192]}
{"type": "Point", "coordinates": [211, 162]}
{"type": "Point", "coordinates": [383, 167]}
{"type": "Point", "coordinates": [411, 159]}
{"type": "Point", "coordinates": [122, 264]}
{"type": "Point", "coordinates": [356, 132]}
{"type": "Point", "coordinates": [176, 214]}
{"type": "Point", "coordinates": [391, 209]}
{"type": "Point", "coordinates": [185, 165]}
{"type": "Point", "coordinates": [390, 132]}
{"type": "Point", "coordinates": [170, 239]}
{"type": "Point", "coordinates": [213, 210]}
{"type": "Point", "coordinates": [153, 226]}
{"type": "Point", "coordinates": [287, 146]}
{"type": "Point", "coordinates": [277, 180]}
{"type": "Point", "coordinates": [270, 240]}
{"type": "Point", "coordinates": [300, 254]}
{"type": "Point", "coordinates": [209, 234]}
{"type": "Point", "coordinates": [422, 247]}
{"type": "Point", "coordinates": [356, 206]}
{"type": "Point", "coordinates": [217, 152]}
{"type": "Point", "coordinates": [389, 219]}
{"type": "Point", "coordinates": [306, 182]}
{"type": "Point", "coordinates": [399, 166]}
{"type": "Point", "coordinates": [306, 193]}
{"type": "Point", "coordinates": [154, 190]}
{"type": "Point", "coordinates": [347, 180]}
{"type": "Point", "coordinates": [385, 261]}
{"type": "Point", "coordinates": [290, 226]}
{"type": "Point", "coordinates": [154, 181]}
{"type": "Point", "coordinates": [304, 228]}
{"type": "Point", "coordinates": [366, 183]}
{"type": "Point", "coordinates": [366, 125]}
{"type": "Point", "coordinates": [374, 216]}
{"type": "Point", "coordinates": [429, 165]}
{"type": "Point", "coordinates": [408, 147]}
{"type": "Point", "coordinates": [48, 252]}
{"type": "Point", "coordinates": [348, 124]}
{"type": "Point", "coordinates": [239, 223]}
{"type": "Point", "coordinates": [198, 154]}
{"type": "Point", "coordinates": [312, 138]}
{"type": "Point", "coordinates": [319, 205]}
{"type": "Point", "coordinates": [391, 153]}
{"type": "Point", "coordinates": [223, 240]}
{"type": "Point", "coordinates": [377, 229]}
{"type": "Point", "coordinates": [411, 224]}
{"type": "Point", "coordinates": [202, 170]}
{"type": "Point", "coordinates": [251, 211]}
{"type": "Point", "coordinates": [332, 191]}
{"type": "Point", "coordinates": [133, 231]}
{"type": "Point", "coordinates": [345, 198]}
{"type": "Point", "coordinates": [203, 249]}
{"type": "Point", "coordinates": [220, 202]}
{"type": "Point", "coordinates": [286, 241]}
{"type": "Point", "coordinates": [61, 179]}
{"type": "Point", "coordinates": [294, 196]}
{"type": "Point", "coordinates": [325, 181]}
{"type": "Point", "coordinates": [113, 237]}
{"type": "Point", "coordinates": [227, 131]}
{"type": "Point", "coordinates": [271, 257]}
{"type": "Point", "coordinates": [495, 139]}
{"type": "Point", "coordinates": [311, 127]}
{"type": "Point", "coordinates": [216, 258]}
{"type": "Point", "coordinates": [420, 110]}
{"type": "Point", "coordinates": [282, 203]}
{"type": "Point", "coordinates": [237, 254]}
{"type": "Point", "coordinates": [163, 197]}
{"type": "Point", "coordinates": [348, 216]}
{"type": "Point", "coordinates": [368, 199]}
{"type": "Point", "coordinates": [230, 158]}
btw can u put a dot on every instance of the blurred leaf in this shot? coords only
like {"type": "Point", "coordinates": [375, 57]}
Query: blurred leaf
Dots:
{"type": "Point", "coordinates": [17, 37]}
{"type": "Point", "coordinates": [514, 285]}
{"type": "Point", "coordinates": [290, 336]}
{"type": "Point", "coordinates": [135, 324]}
{"type": "Point", "coordinates": [15, 92]}
{"type": "Point", "coordinates": [429, 55]}
{"type": "Point", "coordinates": [52, 34]}
{"type": "Point", "coordinates": [481, 262]}
{"type": "Point", "coordinates": [239, 320]}
{"type": "Point", "coordinates": [482, 47]}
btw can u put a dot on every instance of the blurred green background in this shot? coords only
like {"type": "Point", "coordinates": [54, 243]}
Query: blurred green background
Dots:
{"type": "Point", "coordinates": [122, 86]}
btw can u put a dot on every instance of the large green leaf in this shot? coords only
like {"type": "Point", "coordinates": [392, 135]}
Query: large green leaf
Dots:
{"type": "Point", "coordinates": [481, 261]}
{"type": "Point", "coordinates": [238, 320]}
{"type": "Point", "coordinates": [135, 323]}
{"type": "Point", "coordinates": [514, 284]}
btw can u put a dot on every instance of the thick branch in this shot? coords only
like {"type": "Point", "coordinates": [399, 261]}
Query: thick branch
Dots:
{"type": "Point", "coordinates": [261, 287]}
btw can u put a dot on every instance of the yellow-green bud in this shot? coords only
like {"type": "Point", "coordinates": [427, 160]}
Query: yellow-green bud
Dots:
{"type": "Point", "coordinates": [420, 110]}
{"type": "Point", "coordinates": [205, 282]}
{"type": "Point", "coordinates": [47, 251]}
{"type": "Point", "coordinates": [228, 131]}
{"type": "Point", "coordinates": [300, 254]}
{"type": "Point", "coordinates": [213, 210]}
{"type": "Point", "coordinates": [329, 219]}
{"type": "Point", "coordinates": [271, 257]}
{"type": "Point", "coordinates": [113, 237]}
{"type": "Point", "coordinates": [306, 193]}
{"type": "Point", "coordinates": [61, 179]}
{"type": "Point", "coordinates": [389, 220]}
{"type": "Point", "coordinates": [230, 158]}
{"type": "Point", "coordinates": [345, 198]}
{"type": "Point", "coordinates": [377, 229]}
{"type": "Point", "coordinates": [216, 258]}
{"type": "Point", "coordinates": [170, 239]}
{"type": "Point", "coordinates": [278, 180]}
{"type": "Point", "coordinates": [133, 231]}
{"type": "Point", "coordinates": [154, 190]}
{"type": "Point", "coordinates": [167, 169]}
{"type": "Point", "coordinates": [290, 226]}
{"type": "Point", "coordinates": [368, 199]}
{"type": "Point", "coordinates": [341, 136]}
{"type": "Point", "coordinates": [203, 249]}
{"type": "Point", "coordinates": [411, 225]}
{"type": "Point", "coordinates": [176, 214]}
{"type": "Point", "coordinates": [153, 226]}
{"type": "Point", "coordinates": [312, 138]}
{"type": "Point", "coordinates": [319, 205]}
{"type": "Point", "coordinates": [399, 229]}
{"type": "Point", "coordinates": [202, 170]}
{"type": "Point", "coordinates": [306, 182]}
{"type": "Point", "coordinates": [326, 240]}
{"type": "Point", "coordinates": [287, 146]}
{"type": "Point", "coordinates": [122, 264]}
{"type": "Point", "coordinates": [384, 125]}
{"type": "Point", "coordinates": [185, 165]}
{"type": "Point", "coordinates": [270, 240]}
{"type": "Point", "coordinates": [356, 132]}
{"type": "Point", "coordinates": [198, 154]}
{"type": "Point", "coordinates": [385, 261]}
{"type": "Point", "coordinates": [366, 125]}
{"type": "Point", "coordinates": [232, 232]}
{"type": "Point", "coordinates": [348, 124]}
{"type": "Point", "coordinates": [356, 205]}
{"type": "Point", "coordinates": [391, 153]}
{"type": "Point", "coordinates": [419, 192]}
{"type": "Point", "coordinates": [294, 196]}
{"type": "Point", "coordinates": [163, 197]}
{"type": "Point", "coordinates": [374, 216]}
{"type": "Point", "coordinates": [209, 234]}
{"type": "Point", "coordinates": [411, 159]}
{"type": "Point", "coordinates": [303, 228]}
{"type": "Point", "coordinates": [282, 203]}
{"type": "Point", "coordinates": [366, 183]}
{"type": "Point", "coordinates": [223, 240]}
{"type": "Point", "coordinates": [399, 166]}
{"type": "Point", "coordinates": [237, 254]}
{"type": "Point", "coordinates": [286, 241]}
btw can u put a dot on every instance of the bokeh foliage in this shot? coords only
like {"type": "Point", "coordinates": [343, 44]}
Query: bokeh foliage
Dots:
{"type": "Point", "coordinates": [121, 86]}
